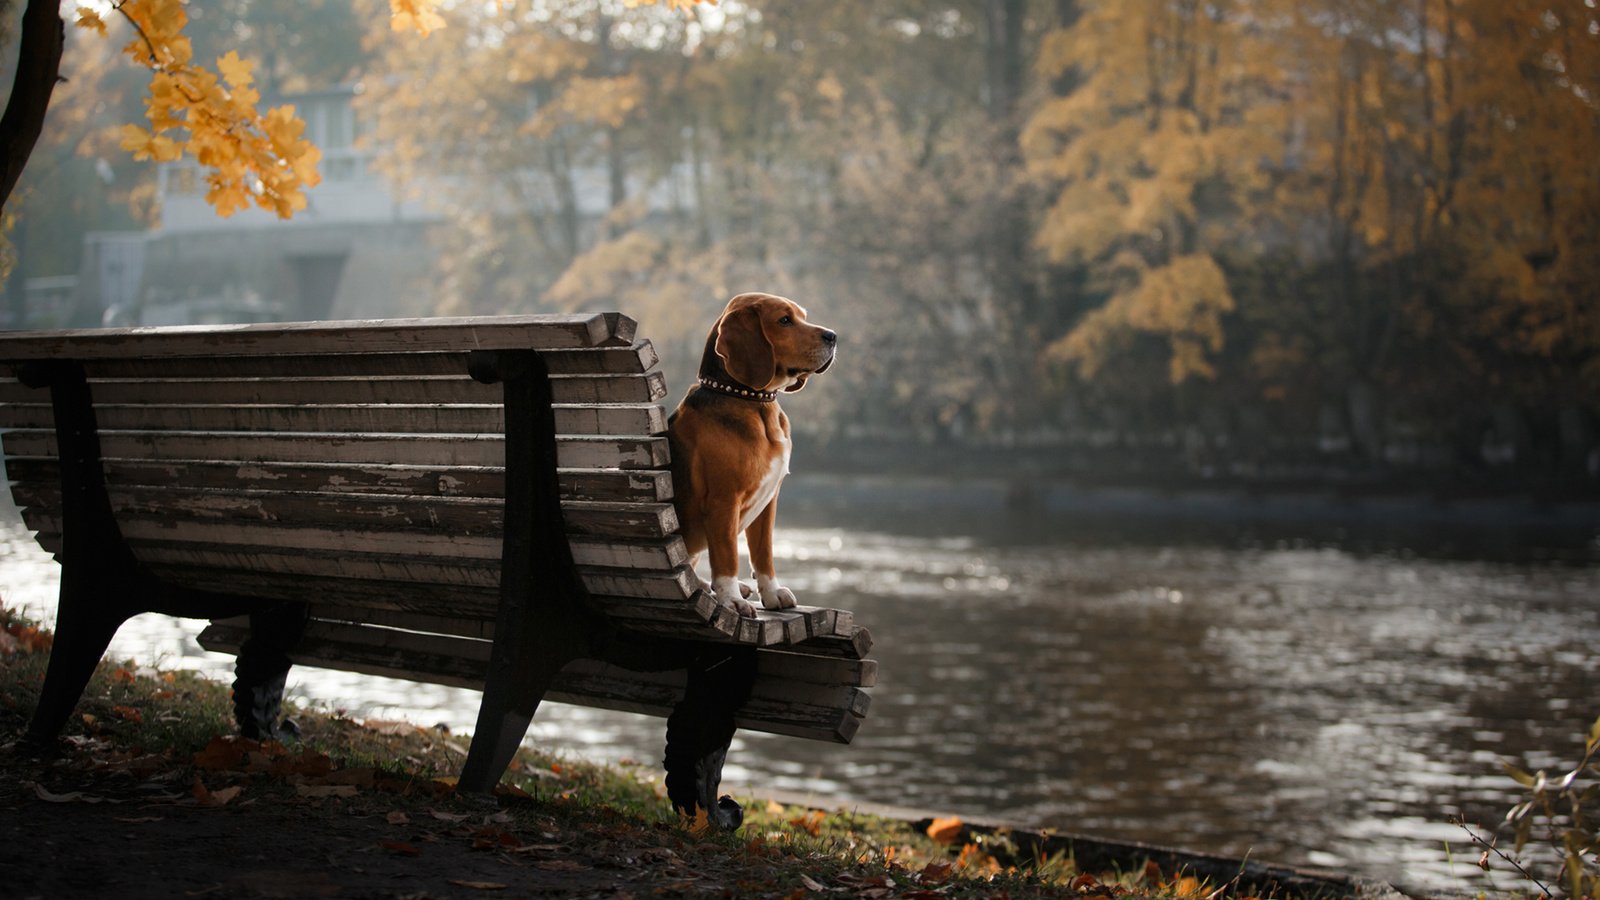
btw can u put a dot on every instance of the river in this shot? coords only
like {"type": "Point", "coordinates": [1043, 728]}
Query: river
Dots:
{"type": "Point", "coordinates": [1261, 678]}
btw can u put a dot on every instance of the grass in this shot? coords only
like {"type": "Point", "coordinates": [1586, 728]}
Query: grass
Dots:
{"type": "Point", "coordinates": [136, 725]}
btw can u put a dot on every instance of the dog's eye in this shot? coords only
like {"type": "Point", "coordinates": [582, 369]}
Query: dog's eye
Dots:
{"type": "Point", "coordinates": [786, 321]}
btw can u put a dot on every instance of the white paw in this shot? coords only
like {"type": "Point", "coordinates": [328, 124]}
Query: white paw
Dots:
{"type": "Point", "coordinates": [730, 593]}
{"type": "Point", "coordinates": [773, 594]}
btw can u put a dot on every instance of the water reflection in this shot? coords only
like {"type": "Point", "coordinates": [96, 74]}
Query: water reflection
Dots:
{"type": "Point", "coordinates": [1268, 687]}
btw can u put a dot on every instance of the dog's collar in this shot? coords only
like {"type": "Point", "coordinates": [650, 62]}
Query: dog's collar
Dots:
{"type": "Point", "coordinates": [737, 390]}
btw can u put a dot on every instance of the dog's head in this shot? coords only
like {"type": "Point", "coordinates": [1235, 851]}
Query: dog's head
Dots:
{"type": "Point", "coordinates": [765, 342]}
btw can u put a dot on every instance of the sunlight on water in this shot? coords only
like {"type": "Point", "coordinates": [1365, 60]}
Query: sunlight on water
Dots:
{"type": "Point", "coordinates": [1293, 702]}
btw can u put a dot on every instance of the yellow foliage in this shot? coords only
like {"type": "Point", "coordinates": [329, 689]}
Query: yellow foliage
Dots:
{"type": "Point", "coordinates": [606, 102]}
{"type": "Point", "coordinates": [1183, 301]}
{"type": "Point", "coordinates": [88, 18]}
{"type": "Point", "coordinates": [415, 15]}
{"type": "Point", "coordinates": [252, 158]}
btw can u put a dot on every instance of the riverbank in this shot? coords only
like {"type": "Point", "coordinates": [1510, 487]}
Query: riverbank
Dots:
{"type": "Point", "coordinates": [148, 797]}
{"type": "Point", "coordinates": [1161, 480]}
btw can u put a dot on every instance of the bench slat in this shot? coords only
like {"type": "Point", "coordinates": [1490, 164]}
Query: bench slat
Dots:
{"type": "Point", "coordinates": [634, 360]}
{"type": "Point", "coordinates": [388, 418]}
{"type": "Point", "coordinates": [775, 662]}
{"type": "Point", "coordinates": [646, 388]}
{"type": "Point", "coordinates": [660, 554]}
{"type": "Point", "coordinates": [350, 337]}
{"type": "Point", "coordinates": [776, 706]}
{"type": "Point", "coordinates": [644, 485]}
{"type": "Point", "coordinates": [413, 450]}
{"type": "Point", "coordinates": [454, 516]}
{"type": "Point", "coordinates": [678, 584]}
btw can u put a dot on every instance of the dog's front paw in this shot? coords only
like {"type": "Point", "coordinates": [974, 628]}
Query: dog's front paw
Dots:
{"type": "Point", "coordinates": [773, 594]}
{"type": "Point", "coordinates": [730, 593]}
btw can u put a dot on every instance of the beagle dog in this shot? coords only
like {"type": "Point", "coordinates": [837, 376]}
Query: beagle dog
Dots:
{"type": "Point", "coordinates": [730, 441]}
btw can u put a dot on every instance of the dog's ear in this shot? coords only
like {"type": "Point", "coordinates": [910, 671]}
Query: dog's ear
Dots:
{"type": "Point", "coordinates": [744, 349]}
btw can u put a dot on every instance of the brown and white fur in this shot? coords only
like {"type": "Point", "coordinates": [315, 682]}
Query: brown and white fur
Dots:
{"type": "Point", "coordinates": [730, 441]}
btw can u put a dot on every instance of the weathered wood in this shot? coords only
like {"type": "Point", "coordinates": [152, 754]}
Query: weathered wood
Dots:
{"type": "Point", "coordinates": [660, 554]}
{"type": "Point", "coordinates": [403, 449]}
{"type": "Point", "coordinates": [614, 419]}
{"type": "Point", "coordinates": [446, 388]}
{"type": "Point", "coordinates": [634, 360]}
{"type": "Point", "coordinates": [777, 705]}
{"type": "Point", "coordinates": [645, 485]}
{"type": "Point", "coordinates": [348, 337]}
{"type": "Point", "coordinates": [453, 516]}
{"type": "Point", "coordinates": [779, 662]}
{"type": "Point", "coordinates": [455, 572]}
{"type": "Point", "coordinates": [855, 645]}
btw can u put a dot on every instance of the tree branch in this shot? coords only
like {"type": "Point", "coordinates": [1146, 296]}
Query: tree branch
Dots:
{"type": "Point", "coordinates": [38, 66]}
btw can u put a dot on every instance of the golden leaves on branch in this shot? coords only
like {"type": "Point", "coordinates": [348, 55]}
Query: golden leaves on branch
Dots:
{"type": "Point", "coordinates": [253, 157]}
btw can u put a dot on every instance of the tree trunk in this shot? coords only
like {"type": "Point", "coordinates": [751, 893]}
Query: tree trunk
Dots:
{"type": "Point", "coordinates": [38, 66]}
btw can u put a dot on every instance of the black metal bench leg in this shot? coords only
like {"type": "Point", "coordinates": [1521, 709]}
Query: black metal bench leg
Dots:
{"type": "Point", "coordinates": [262, 669]}
{"type": "Point", "coordinates": [82, 635]}
{"type": "Point", "coordinates": [699, 732]}
{"type": "Point", "coordinates": [542, 622]}
{"type": "Point", "coordinates": [509, 702]}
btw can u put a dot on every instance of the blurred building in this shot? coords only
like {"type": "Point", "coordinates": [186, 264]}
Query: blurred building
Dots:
{"type": "Point", "coordinates": [356, 251]}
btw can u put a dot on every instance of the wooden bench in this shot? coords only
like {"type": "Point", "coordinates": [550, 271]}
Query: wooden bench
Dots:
{"type": "Point", "coordinates": [481, 502]}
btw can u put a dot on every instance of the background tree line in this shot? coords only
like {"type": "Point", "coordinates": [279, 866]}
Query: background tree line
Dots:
{"type": "Point", "coordinates": [1238, 227]}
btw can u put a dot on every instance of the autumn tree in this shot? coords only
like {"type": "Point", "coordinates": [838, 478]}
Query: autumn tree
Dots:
{"type": "Point", "coordinates": [1156, 160]}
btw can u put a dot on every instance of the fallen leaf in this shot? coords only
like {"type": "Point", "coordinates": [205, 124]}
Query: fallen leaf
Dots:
{"type": "Point", "coordinates": [127, 714]}
{"type": "Point", "coordinates": [811, 822]}
{"type": "Point", "coordinates": [169, 677]}
{"type": "Point", "coordinates": [493, 839]}
{"type": "Point", "coordinates": [224, 796]}
{"type": "Point", "coordinates": [449, 817]}
{"type": "Point", "coordinates": [936, 872]}
{"type": "Point", "coordinates": [774, 808]}
{"type": "Point", "coordinates": [811, 883]}
{"type": "Point", "coordinates": [123, 675]}
{"type": "Point", "coordinates": [561, 865]}
{"type": "Point", "coordinates": [225, 752]}
{"type": "Point", "coordinates": [479, 885]}
{"type": "Point", "coordinates": [1187, 886]}
{"type": "Point", "coordinates": [69, 797]}
{"type": "Point", "coordinates": [396, 817]}
{"type": "Point", "coordinates": [945, 830]}
{"type": "Point", "coordinates": [537, 848]}
{"type": "Point", "coordinates": [401, 847]}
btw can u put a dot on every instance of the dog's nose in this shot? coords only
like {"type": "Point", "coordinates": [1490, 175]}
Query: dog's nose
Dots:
{"type": "Point", "coordinates": [829, 337]}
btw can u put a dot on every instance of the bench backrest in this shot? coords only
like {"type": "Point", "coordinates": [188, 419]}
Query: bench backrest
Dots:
{"type": "Point", "coordinates": [220, 449]}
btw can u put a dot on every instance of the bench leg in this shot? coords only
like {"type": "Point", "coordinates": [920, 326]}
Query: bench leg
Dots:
{"type": "Point", "coordinates": [262, 669]}
{"type": "Point", "coordinates": [82, 635]}
{"type": "Point", "coordinates": [507, 709]}
{"type": "Point", "coordinates": [699, 732]}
